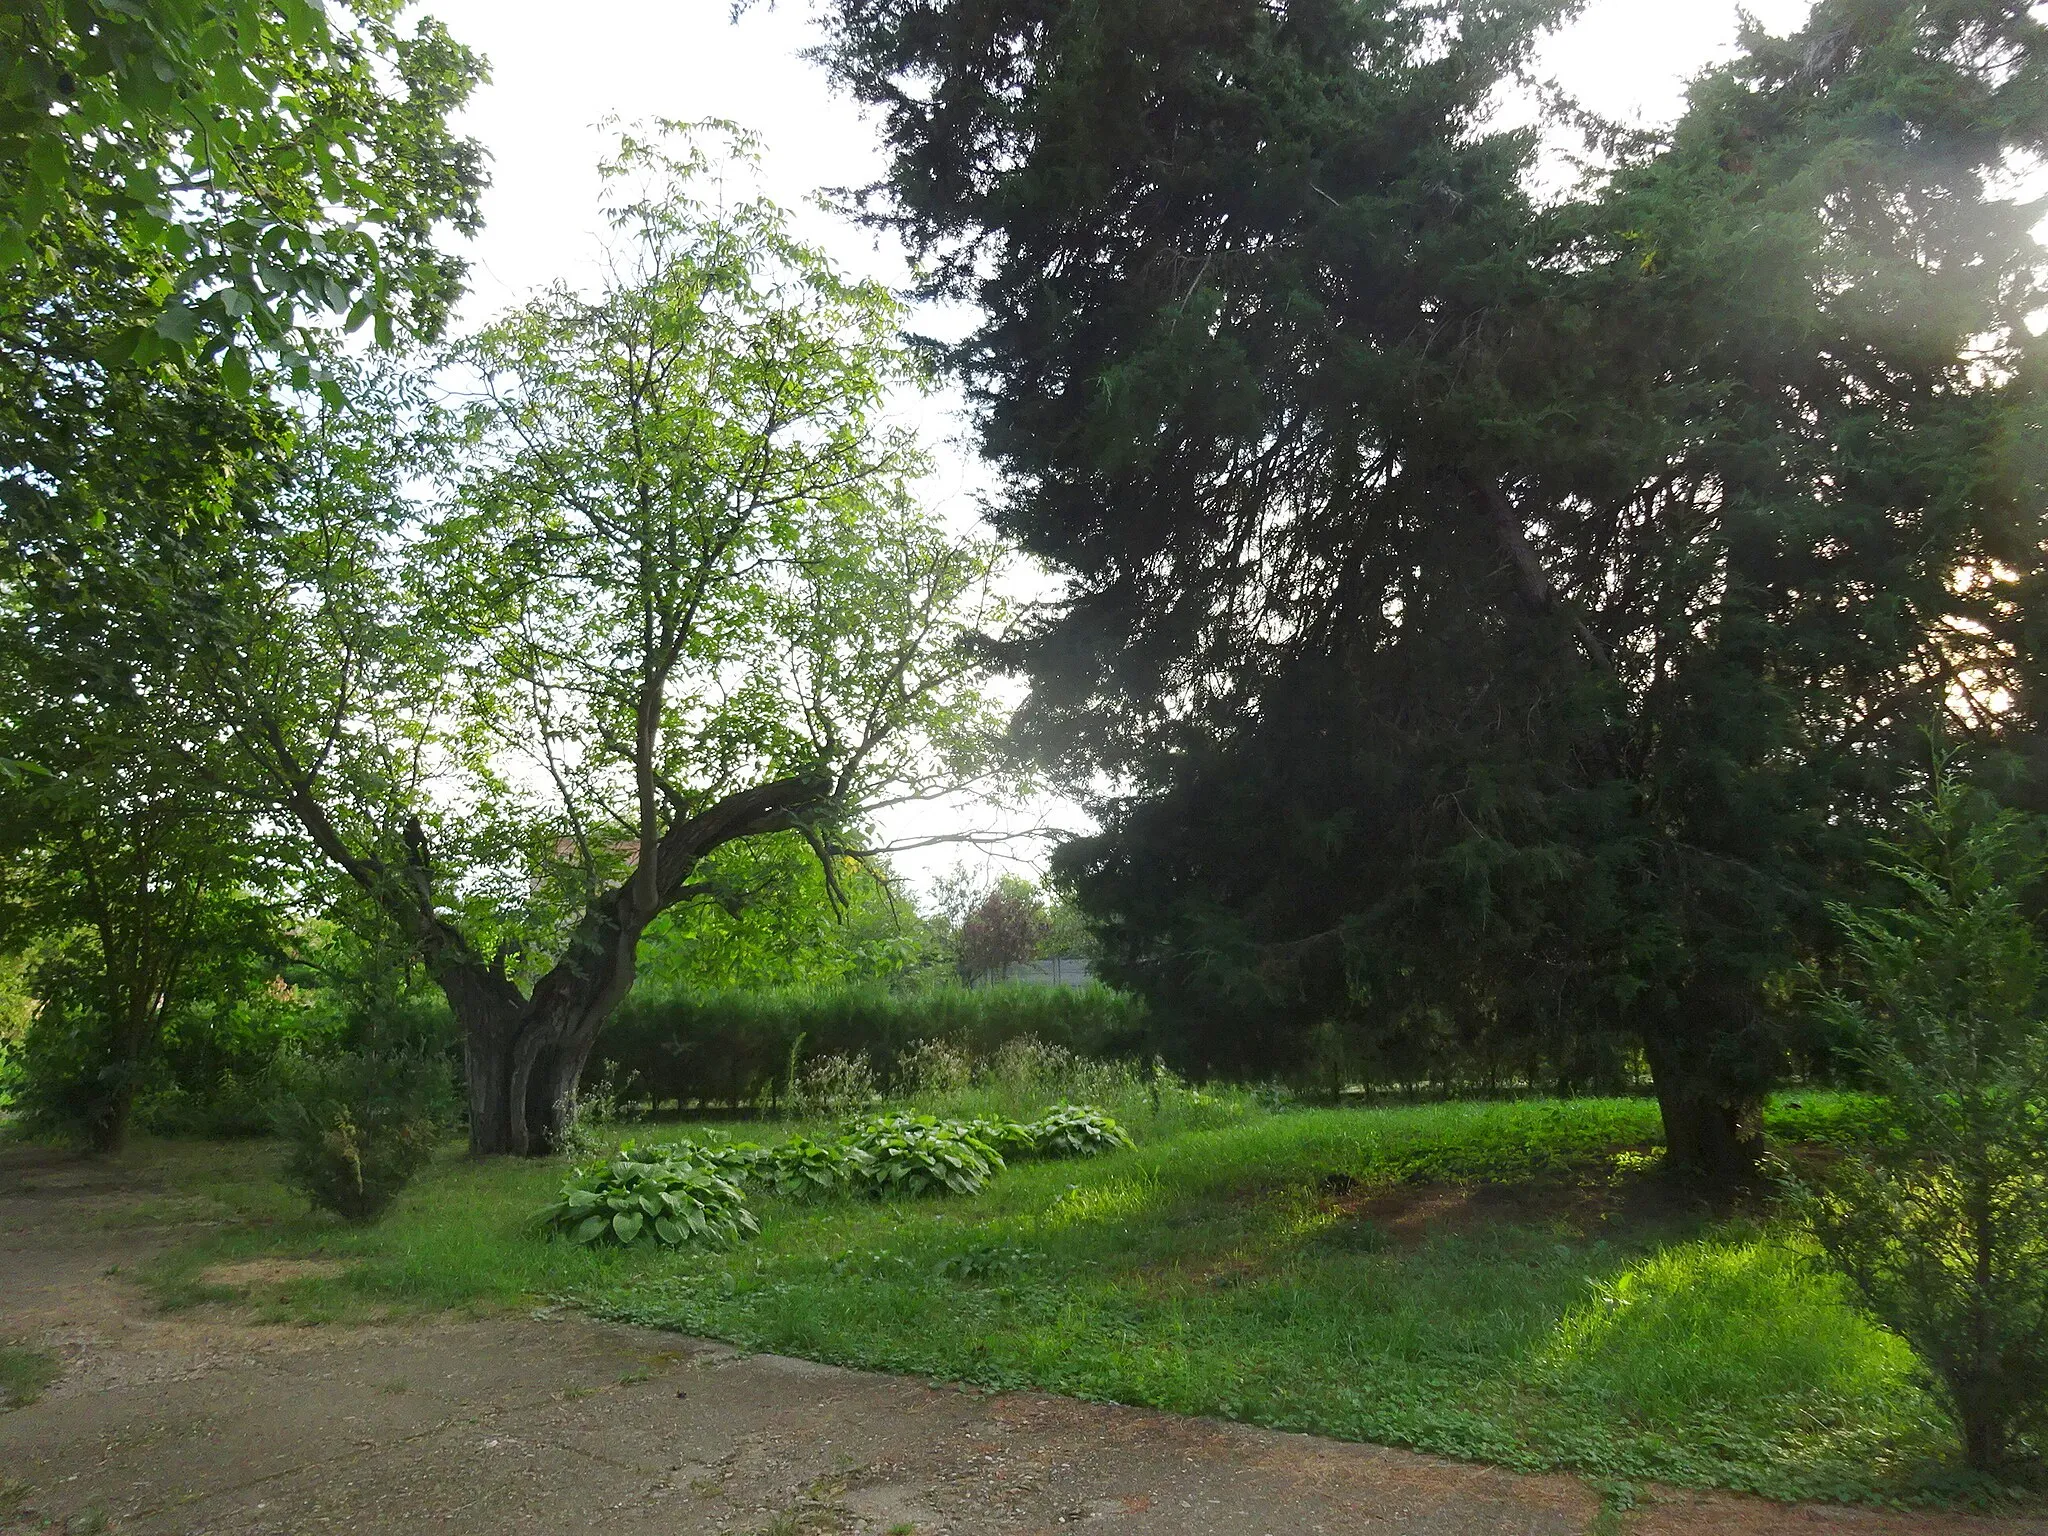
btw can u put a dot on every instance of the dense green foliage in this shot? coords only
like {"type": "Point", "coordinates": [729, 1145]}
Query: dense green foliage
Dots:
{"type": "Point", "coordinates": [800, 1168]}
{"type": "Point", "coordinates": [1505, 1283]}
{"type": "Point", "coordinates": [245, 166]}
{"type": "Point", "coordinates": [693, 1191]}
{"type": "Point", "coordinates": [784, 924]}
{"type": "Point", "coordinates": [1559, 587]}
{"type": "Point", "coordinates": [139, 886]}
{"type": "Point", "coordinates": [905, 1153]}
{"type": "Point", "coordinates": [1941, 1222]}
{"type": "Point", "coordinates": [1073, 1130]}
{"type": "Point", "coordinates": [739, 1048]}
{"type": "Point", "coordinates": [669, 1196]}
{"type": "Point", "coordinates": [189, 193]}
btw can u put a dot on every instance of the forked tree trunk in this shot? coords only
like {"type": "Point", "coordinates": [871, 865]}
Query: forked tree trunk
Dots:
{"type": "Point", "coordinates": [523, 1052]}
{"type": "Point", "coordinates": [522, 1068]}
{"type": "Point", "coordinates": [523, 1055]}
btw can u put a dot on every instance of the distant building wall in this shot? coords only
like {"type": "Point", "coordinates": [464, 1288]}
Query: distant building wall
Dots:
{"type": "Point", "coordinates": [1067, 971]}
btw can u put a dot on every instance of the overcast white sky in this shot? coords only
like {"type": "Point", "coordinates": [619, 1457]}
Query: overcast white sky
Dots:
{"type": "Point", "coordinates": [557, 70]}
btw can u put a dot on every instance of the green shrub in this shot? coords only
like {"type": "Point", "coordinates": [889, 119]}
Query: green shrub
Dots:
{"type": "Point", "coordinates": [736, 1048]}
{"type": "Point", "coordinates": [668, 1196]}
{"type": "Point", "coordinates": [66, 1078]}
{"type": "Point", "coordinates": [358, 1126]}
{"type": "Point", "coordinates": [906, 1154]}
{"type": "Point", "coordinates": [1070, 1130]}
{"type": "Point", "coordinates": [234, 1104]}
{"type": "Point", "coordinates": [1941, 1223]}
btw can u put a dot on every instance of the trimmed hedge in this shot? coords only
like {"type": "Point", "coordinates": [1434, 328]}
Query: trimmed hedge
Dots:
{"type": "Point", "coordinates": [736, 1048]}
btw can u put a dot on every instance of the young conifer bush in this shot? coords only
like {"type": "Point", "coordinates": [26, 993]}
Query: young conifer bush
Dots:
{"type": "Point", "coordinates": [670, 1197]}
{"type": "Point", "coordinates": [358, 1126]}
{"type": "Point", "coordinates": [1941, 1222]}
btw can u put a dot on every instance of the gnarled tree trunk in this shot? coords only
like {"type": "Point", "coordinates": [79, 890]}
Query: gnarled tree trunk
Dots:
{"type": "Point", "coordinates": [523, 1055]}
{"type": "Point", "coordinates": [523, 1052]}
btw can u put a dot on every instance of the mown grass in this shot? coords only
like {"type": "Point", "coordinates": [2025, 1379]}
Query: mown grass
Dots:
{"type": "Point", "coordinates": [1511, 1283]}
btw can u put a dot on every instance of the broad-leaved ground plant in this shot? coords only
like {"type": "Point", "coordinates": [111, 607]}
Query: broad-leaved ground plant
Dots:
{"type": "Point", "coordinates": [669, 1196]}
{"type": "Point", "coordinates": [908, 1154]}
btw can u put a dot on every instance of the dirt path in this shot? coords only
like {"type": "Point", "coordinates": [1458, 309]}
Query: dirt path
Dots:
{"type": "Point", "coordinates": [201, 1423]}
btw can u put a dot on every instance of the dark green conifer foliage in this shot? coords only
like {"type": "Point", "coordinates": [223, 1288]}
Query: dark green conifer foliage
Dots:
{"type": "Point", "coordinates": [1499, 620]}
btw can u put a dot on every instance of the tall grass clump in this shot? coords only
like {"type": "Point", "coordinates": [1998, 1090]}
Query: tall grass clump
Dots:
{"type": "Point", "coordinates": [1676, 1337]}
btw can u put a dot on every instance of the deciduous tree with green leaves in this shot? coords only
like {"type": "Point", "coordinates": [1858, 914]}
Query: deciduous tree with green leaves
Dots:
{"type": "Point", "coordinates": [664, 588]}
{"type": "Point", "coordinates": [126, 864]}
{"type": "Point", "coordinates": [190, 193]}
{"type": "Point", "coordinates": [250, 165]}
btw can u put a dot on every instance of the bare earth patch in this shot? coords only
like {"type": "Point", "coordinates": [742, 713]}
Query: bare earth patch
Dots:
{"type": "Point", "coordinates": [252, 1272]}
{"type": "Point", "coordinates": [1583, 1202]}
{"type": "Point", "coordinates": [202, 1422]}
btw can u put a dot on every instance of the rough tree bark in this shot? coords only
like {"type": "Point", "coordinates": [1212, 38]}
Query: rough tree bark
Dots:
{"type": "Point", "coordinates": [523, 1052]}
{"type": "Point", "coordinates": [1713, 1118]}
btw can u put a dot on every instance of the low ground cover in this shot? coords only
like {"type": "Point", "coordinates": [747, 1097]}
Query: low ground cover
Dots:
{"type": "Point", "coordinates": [1511, 1283]}
{"type": "Point", "coordinates": [23, 1375]}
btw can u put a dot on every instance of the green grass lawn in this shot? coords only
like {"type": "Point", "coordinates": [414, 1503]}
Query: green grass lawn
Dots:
{"type": "Point", "coordinates": [1511, 1283]}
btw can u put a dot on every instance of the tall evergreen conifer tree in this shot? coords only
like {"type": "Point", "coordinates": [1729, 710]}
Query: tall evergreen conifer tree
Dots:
{"type": "Point", "coordinates": [1498, 620]}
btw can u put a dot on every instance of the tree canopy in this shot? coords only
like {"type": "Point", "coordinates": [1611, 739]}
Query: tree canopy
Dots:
{"type": "Point", "coordinates": [1573, 578]}
{"type": "Point", "coordinates": [247, 167]}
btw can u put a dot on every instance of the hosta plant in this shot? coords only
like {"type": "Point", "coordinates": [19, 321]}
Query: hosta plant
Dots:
{"type": "Point", "coordinates": [801, 1167]}
{"type": "Point", "coordinates": [735, 1159]}
{"type": "Point", "coordinates": [667, 1196]}
{"type": "Point", "coordinates": [1073, 1130]}
{"type": "Point", "coordinates": [1009, 1137]}
{"type": "Point", "coordinates": [907, 1154]}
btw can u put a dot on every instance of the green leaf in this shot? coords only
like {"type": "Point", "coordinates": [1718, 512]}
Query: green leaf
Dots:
{"type": "Point", "coordinates": [178, 321]}
{"type": "Point", "coordinates": [626, 1225]}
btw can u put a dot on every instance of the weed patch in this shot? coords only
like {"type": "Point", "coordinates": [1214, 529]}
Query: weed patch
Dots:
{"type": "Point", "coordinates": [24, 1373]}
